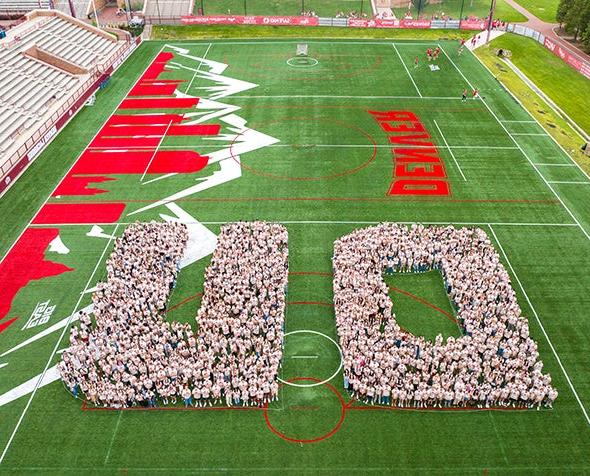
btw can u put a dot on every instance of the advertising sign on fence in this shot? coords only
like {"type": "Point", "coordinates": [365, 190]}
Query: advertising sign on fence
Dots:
{"type": "Point", "coordinates": [249, 20]}
{"type": "Point", "coordinates": [582, 66]}
{"type": "Point", "coordinates": [473, 25]}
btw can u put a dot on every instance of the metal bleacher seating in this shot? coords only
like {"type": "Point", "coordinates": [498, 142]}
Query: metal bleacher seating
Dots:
{"type": "Point", "coordinates": [29, 86]}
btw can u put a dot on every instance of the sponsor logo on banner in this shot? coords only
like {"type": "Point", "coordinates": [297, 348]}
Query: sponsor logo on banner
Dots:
{"type": "Point", "coordinates": [472, 25]}
{"type": "Point", "coordinates": [248, 20]}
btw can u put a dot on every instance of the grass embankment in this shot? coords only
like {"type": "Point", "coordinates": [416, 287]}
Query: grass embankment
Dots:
{"type": "Point", "coordinates": [565, 86]}
{"type": "Point", "coordinates": [546, 10]}
{"type": "Point", "coordinates": [194, 32]}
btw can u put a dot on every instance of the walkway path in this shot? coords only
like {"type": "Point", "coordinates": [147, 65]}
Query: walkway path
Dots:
{"type": "Point", "coordinates": [547, 29]}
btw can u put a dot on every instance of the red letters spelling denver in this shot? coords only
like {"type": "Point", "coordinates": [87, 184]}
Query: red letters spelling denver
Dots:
{"type": "Point", "coordinates": [418, 168]}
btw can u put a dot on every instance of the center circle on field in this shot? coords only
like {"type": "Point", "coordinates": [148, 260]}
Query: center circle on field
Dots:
{"type": "Point", "coordinates": [316, 382]}
{"type": "Point", "coordinates": [293, 439]}
{"type": "Point", "coordinates": [293, 62]}
{"type": "Point", "coordinates": [291, 123]}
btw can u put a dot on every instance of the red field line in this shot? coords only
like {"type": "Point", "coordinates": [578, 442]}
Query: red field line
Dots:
{"type": "Point", "coordinates": [435, 409]}
{"type": "Point", "coordinates": [425, 302]}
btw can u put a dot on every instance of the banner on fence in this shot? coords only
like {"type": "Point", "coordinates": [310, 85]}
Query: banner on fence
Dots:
{"type": "Point", "coordinates": [576, 63]}
{"type": "Point", "coordinates": [473, 25]}
{"type": "Point", "coordinates": [249, 20]}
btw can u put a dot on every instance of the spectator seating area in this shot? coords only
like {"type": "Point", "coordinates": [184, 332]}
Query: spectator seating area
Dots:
{"type": "Point", "coordinates": [14, 7]}
{"type": "Point", "coordinates": [44, 62]}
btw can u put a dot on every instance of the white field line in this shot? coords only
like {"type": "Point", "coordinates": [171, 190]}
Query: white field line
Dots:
{"type": "Point", "coordinates": [543, 134]}
{"type": "Point", "coordinates": [56, 347]}
{"type": "Point", "coordinates": [198, 68]}
{"type": "Point", "coordinates": [331, 222]}
{"type": "Point", "coordinates": [406, 68]}
{"type": "Point", "coordinates": [534, 119]}
{"type": "Point", "coordinates": [437, 98]}
{"type": "Point", "coordinates": [521, 150]}
{"type": "Point", "coordinates": [108, 455]}
{"type": "Point", "coordinates": [450, 151]}
{"type": "Point", "coordinates": [557, 165]}
{"type": "Point", "coordinates": [155, 152]}
{"type": "Point", "coordinates": [540, 325]}
{"type": "Point", "coordinates": [29, 225]}
{"type": "Point", "coordinates": [571, 183]}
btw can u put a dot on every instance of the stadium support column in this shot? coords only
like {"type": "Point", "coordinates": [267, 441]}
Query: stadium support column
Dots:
{"type": "Point", "coordinates": [491, 20]}
{"type": "Point", "coordinates": [159, 14]}
{"type": "Point", "coordinates": [95, 14]}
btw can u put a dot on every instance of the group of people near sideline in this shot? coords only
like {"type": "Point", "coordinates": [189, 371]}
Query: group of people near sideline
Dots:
{"type": "Point", "coordinates": [132, 356]}
{"type": "Point", "coordinates": [494, 362]}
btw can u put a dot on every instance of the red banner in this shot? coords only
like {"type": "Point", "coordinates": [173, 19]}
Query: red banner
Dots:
{"type": "Point", "coordinates": [473, 25]}
{"type": "Point", "coordinates": [249, 20]}
{"type": "Point", "coordinates": [576, 63]}
{"type": "Point", "coordinates": [414, 24]}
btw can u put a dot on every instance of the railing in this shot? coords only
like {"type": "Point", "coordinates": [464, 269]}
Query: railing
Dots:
{"type": "Point", "coordinates": [35, 144]}
{"type": "Point", "coordinates": [9, 42]}
{"type": "Point", "coordinates": [572, 58]}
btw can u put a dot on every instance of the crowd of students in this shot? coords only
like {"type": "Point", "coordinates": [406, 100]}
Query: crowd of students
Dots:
{"type": "Point", "coordinates": [495, 362]}
{"type": "Point", "coordinates": [133, 356]}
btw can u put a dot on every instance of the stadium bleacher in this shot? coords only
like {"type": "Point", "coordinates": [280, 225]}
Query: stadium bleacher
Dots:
{"type": "Point", "coordinates": [46, 61]}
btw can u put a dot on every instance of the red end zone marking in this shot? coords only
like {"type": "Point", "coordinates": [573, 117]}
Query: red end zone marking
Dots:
{"type": "Point", "coordinates": [72, 185]}
{"type": "Point", "coordinates": [145, 119]}
{"type": "Point", "coordinates": [319, 438]}
{"type": "Point", "coordinates": [24, 263]}
{"type": "Point", "coordinates": [135, 162]}
{"type": "Point", "coordinates": [159, 103]}
{"type": "Point", "coordinates": [79, 213]}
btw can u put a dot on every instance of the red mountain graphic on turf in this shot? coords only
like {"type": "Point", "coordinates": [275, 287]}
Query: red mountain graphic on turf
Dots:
{"type": "Point", "coordinates": [26, 262]}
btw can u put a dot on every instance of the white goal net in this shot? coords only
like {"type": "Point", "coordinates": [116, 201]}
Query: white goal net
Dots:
{"type": "Point", "coordinates": [302, 49]}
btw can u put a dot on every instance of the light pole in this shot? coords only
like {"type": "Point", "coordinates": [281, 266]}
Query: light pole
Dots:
{"type": "Point", "coordinates": [490, 20]}
{"type": "Point", "coordinates": [461, 14]}
{"type": "Point", "coordinates": [362, 2]}
{"type": "Point", "coordinates": [159, 15]}
{"type": "Point", "coordinates": [245, 11]}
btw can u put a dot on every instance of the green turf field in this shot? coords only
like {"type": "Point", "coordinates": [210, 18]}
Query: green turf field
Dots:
{"type": "Point", "coordinates": [321, 165]}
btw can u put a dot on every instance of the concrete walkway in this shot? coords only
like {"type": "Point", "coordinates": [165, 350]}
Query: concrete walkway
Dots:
{"type": "Point", "coordinates": [547, 29]}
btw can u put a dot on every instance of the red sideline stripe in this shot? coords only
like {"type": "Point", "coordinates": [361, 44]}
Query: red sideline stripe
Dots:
{"type": "Point", "coordinates": [157, 103]}
{"type": "Point", "coordinates": [146, 119]}
{"type": "Point", "coordinates": [90, 213]}
{"type": "Point", "coordinates": [166, 89]}
{"type": "Point", "coordinates": [72, 185]}
{"type": "Point", "coordinates": [195, 130]}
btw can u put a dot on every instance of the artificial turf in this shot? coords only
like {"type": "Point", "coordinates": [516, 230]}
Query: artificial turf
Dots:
{"type": "Point", "coordinates": [508, 183]}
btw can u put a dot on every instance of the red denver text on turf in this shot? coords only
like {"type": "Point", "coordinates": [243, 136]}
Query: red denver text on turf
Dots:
{"type": "Point", "coordinates": [417, 171]}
